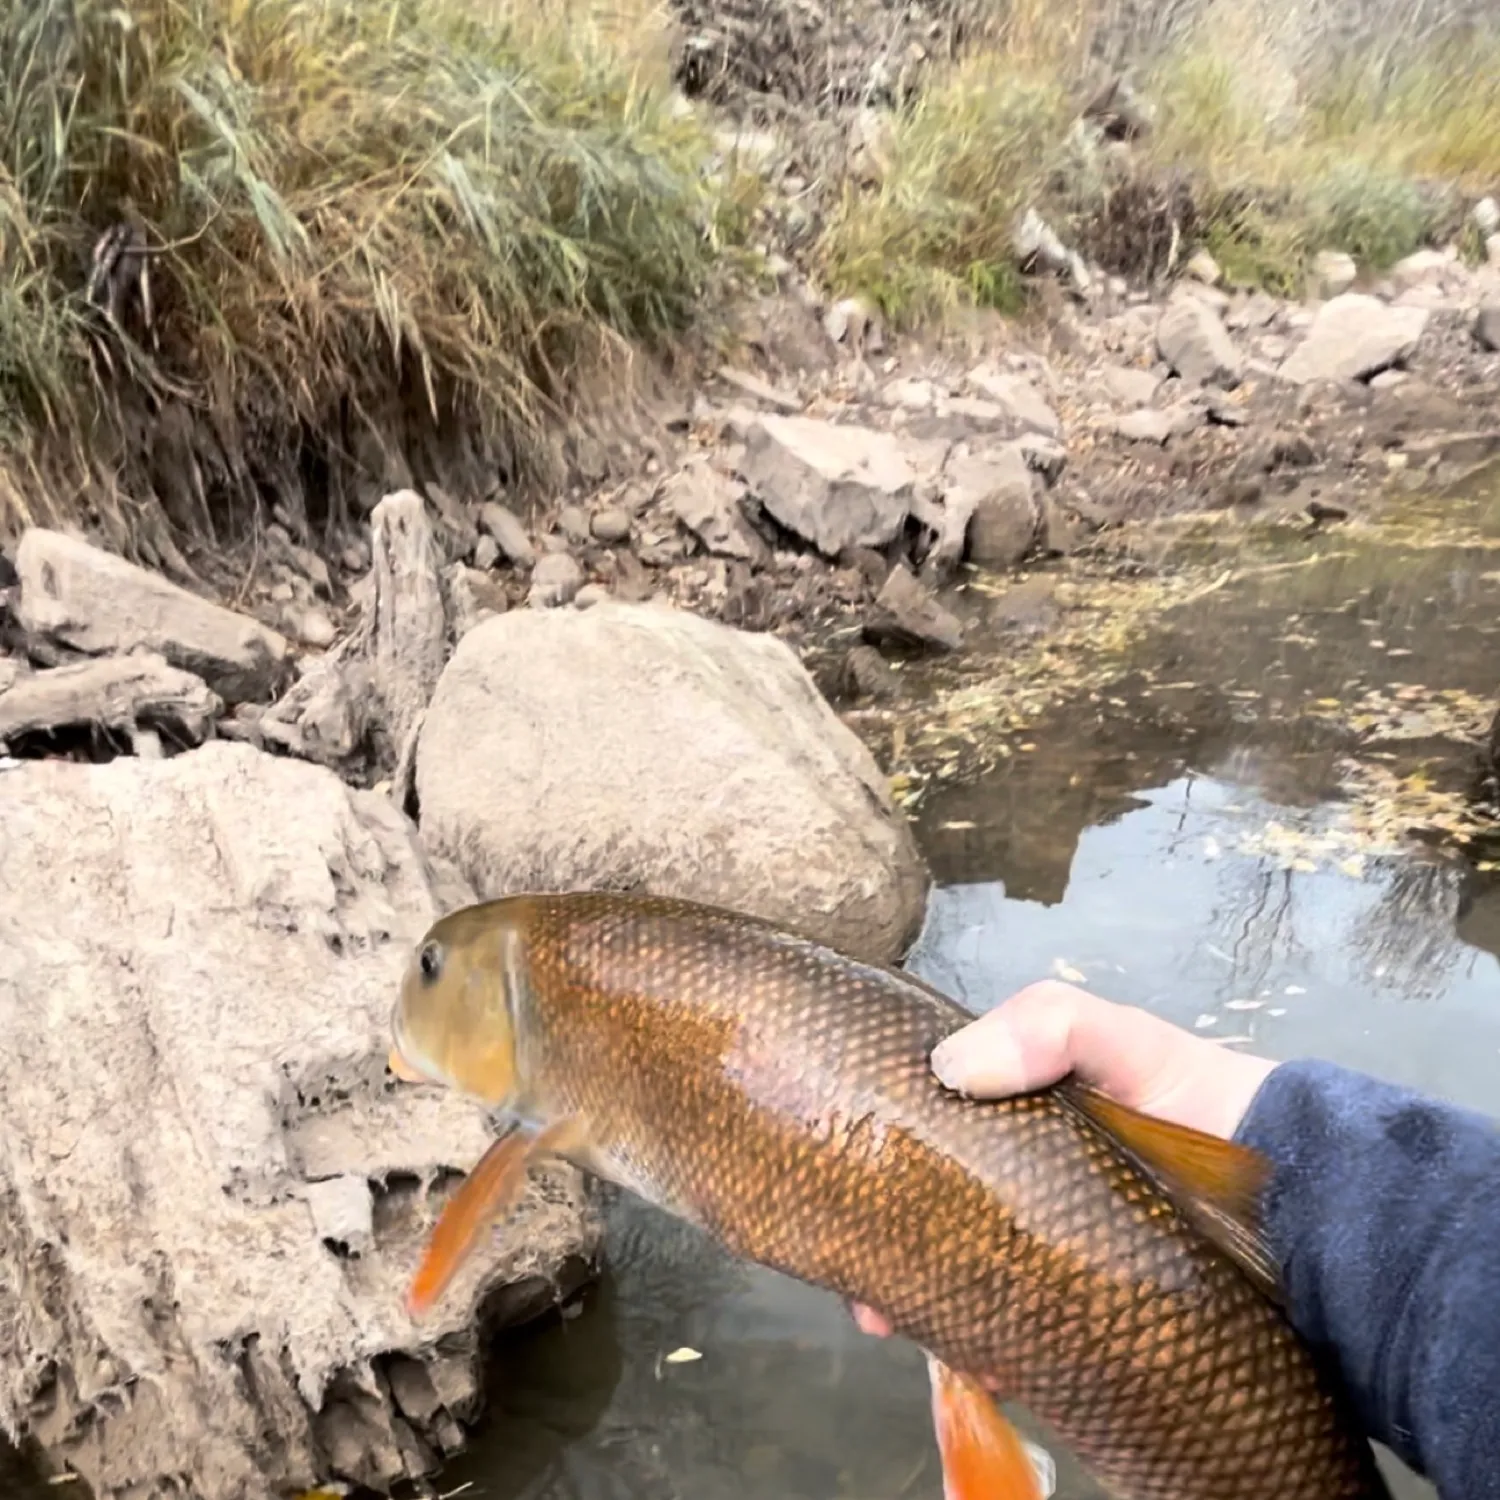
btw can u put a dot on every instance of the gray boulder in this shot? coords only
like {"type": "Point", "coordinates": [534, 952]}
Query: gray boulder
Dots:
{"type": "Point", "coordinates": [638, 746]}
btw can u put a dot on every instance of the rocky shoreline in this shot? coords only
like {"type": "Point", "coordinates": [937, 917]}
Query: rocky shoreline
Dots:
{"type": "Point", "coordinates": [226, 819]}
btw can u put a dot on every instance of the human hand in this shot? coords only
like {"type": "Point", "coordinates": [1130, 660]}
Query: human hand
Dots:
{"type": "Point", "coordinates": [1048, 1030]}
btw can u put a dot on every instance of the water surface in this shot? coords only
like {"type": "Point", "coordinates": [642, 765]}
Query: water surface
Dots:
{"type": "Point", "coordinates": [1178, 838]}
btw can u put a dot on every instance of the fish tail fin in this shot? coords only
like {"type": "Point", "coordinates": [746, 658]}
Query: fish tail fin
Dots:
{"type": "Point", "coordinates": [984, 1457]}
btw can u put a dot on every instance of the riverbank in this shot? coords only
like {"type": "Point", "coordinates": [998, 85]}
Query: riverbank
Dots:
{"type": "Point", "coordinates": [461, 452]}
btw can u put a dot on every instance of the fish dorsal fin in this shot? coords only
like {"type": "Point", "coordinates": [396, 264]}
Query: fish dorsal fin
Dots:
{"type": "Point", "coordinates": [1217, 1184]}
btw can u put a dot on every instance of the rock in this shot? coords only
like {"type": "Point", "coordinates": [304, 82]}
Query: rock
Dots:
{"type": "Point", "coordinates": [834, 486]}
{"type": "Point", "coordinates": [486, 553]}
{"type": "Point", "coordinates": [855, 322]}
{"type": "Point", "coordinates": [707, 503]}
{"type": "Point", "coordinates": [1354, 337]}
{"type": "Point", "coordinates": [124, 693]}
{"type": "Point", "coordinates": [102, 605]}
{"type": "Point", "coordinates": [314, 628]}
{"type": "Point", "coordinates": [589, 595]}
{"type": "Point", "coordinates": [1193, 340]}
{"type": "Point", "coordinates": [343, 1214]}
{"type": "Point", "coordinates": [1034, 241]}
{"type": "Point", "coordinates": [1420, 268]}
{"type": "Point", "coordinates": [1129, 387]}
{"type": "Point", "coordinates": [472, 596]}
{"type": "Point", "coordinates": [508, 534]}
{"type": "Point", "coordinates": [611, 526]}
{"type": "Point", "coordinates": [1019, 399]}
{"type": "Point", "coordinates": [643, 747]}
{"type": "Point", "coordinates": [999, 490]}
{"type": "Point", "coordinates": [1043, 455]}
{"type": "Point", "coordinates": [196, 974]}
{"type": "Point", "coordinates": [1333, 273]}
{"type": "Point", "coordinates": [865, 673]}
{"type": "Point", "coordinates": [1203, 267]}
{"type": "Point", "coordinates": [1258, 310]}
{"type": "Point", "coordinates": [973, 409]}
{"type": "Point", "coordinates": [907, 614]}
{"type": "Point", "coordinates": [555, 579]}
{"type": "Point", "coordinates": [1487, 326]}
{"type": "Point", "coordinates": [1149, 425]}
{"type": "Point", "coordinates": [1486, 216]}
{"type": "Point", "coordinates": [913, 395]}
{"type": "Point", "coordinates": [573, 521]}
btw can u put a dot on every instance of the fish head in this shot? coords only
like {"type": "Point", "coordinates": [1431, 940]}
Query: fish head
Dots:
{"type": "Point", "coordinates": [455, 1016]}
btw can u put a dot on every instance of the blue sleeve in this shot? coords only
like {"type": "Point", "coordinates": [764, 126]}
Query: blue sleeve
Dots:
{"type": "Point", "coordinates": [1384, 1212]}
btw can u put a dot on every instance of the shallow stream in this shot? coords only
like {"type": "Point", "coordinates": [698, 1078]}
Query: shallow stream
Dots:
{"type": "Point", "coordinates": [1230, 821]}
{"type": "Point", "coordinates": [1204, 834]}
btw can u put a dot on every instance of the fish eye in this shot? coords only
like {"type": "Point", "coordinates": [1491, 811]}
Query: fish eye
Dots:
{"type": "Point", "coordinates": [430, 962]}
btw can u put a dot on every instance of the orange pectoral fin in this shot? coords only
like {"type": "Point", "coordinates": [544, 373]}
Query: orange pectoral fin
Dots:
{"type": "Point", "coordinates": [984, 1457]}
{"type": "Point", "coordinates": [490, 1190]}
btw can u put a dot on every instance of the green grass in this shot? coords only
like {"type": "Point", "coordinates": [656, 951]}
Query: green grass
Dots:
{"type": "Point", "coordinates": [1371, 154]}
{"type": "Point", "coordinates": [359, 214]}
{"type": "Point", "coordinates": [936, 232]}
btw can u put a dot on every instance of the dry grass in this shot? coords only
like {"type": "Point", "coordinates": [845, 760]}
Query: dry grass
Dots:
{"type": "Point", "coordinates": [359, 216]}
{"type": "Point", "coordinates": [1274, 137]}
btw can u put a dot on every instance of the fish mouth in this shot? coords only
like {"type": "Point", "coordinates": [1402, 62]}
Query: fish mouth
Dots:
{"type": "Point", "coordinates": [398, 1060]}
{"type": "Point", "coordinates": [403, 1069]}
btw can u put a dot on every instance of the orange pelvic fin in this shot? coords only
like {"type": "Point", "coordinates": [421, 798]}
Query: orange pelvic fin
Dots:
{"type": "Point", "coordinates": [489, 1191]}
{"type": "Point", "coordinates": [984, 1457]}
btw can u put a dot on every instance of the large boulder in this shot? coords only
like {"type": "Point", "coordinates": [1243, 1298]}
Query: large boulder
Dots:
{"type": "Point", "coordinates": [211, 1193]}
{"type": "Point", "coordinates": [1192, 338]}
{"type": "Point", "coordinates": [1353, 337]}
{"type": "Point", "coordinates": [835, 486]}
{"type": "Point", "coordinates": [98, 603]}
{"type": "Point", "coordinates": [638, 746]}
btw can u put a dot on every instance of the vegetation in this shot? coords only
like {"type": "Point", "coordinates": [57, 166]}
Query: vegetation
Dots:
{"type": "Point", "coordinates": [344, 207]}
{"type": "Point", "coordinates": [252, 248]}
{"type": "Point", "coordinates": [1264, 155]}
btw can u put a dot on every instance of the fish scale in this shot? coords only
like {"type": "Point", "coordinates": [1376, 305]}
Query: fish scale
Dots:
{"type": "Point", "coordinates": [780, 1096]}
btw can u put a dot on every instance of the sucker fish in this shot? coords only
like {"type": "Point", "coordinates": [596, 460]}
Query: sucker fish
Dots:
{"type": "Point", "coordinates": [1055, 1249]}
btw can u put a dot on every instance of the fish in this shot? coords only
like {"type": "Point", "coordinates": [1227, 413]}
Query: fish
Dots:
{"type": "Point", "coordinates": [1055, 1249]}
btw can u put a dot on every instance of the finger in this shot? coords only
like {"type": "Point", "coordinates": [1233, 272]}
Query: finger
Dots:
{"type": "Point", "coordinates": [1051, 1029]}
{"type": "Point", "coordinates": [1026, 1042]}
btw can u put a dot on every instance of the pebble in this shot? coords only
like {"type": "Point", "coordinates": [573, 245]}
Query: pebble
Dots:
{"type": "Point", "coordinates": [315, 628]}
{"type": "Point", "coordinates": [574, 521]}
{"type": "Point", "coordinates": [589, 595]}
{"type": "Point", "coordinates": [611, 525]}
{"type": "Point", "coordinates": [486, 553]}
{"type": "Point", "coordinates": [556, 579]}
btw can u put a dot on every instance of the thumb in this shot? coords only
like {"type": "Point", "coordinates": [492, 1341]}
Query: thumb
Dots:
{"type": "Point", "coordinates": [1025, 1043]}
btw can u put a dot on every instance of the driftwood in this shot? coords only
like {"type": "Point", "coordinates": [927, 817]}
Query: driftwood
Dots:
{"type": "Point", "coordinates": [362, 702]}
{"type": "Point", "coordinates": [127, 693]}
{"type": "Point", "coordinates": [409, 644]}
